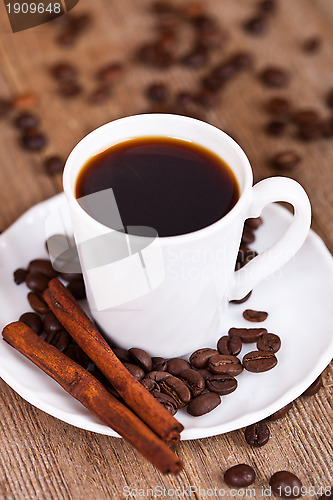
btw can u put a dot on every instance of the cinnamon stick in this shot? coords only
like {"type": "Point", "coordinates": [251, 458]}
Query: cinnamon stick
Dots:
{"type": "Point", "coordinates": [84, 387]}
{"type": "Point", "coordinates": [84, 332]}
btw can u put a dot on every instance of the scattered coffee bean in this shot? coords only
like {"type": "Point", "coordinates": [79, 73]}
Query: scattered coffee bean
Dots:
{"type": "Point", "coordinates": [242, 60]}
{"type": "Point", "coordinates": [312, 45]}
{"type": "Point", "coordinates": [310, 131]}
{"type": "Point", "coordinates": [159, 364]}
{"type": "Point", "coordinates": [176, 388]}
{"type": "Point", "coordinates": [274, 77]}
{"type": "Point", "coordinates": [203, 404]}
{"type": "Point", "coordinates": [157, 92]}
{"type": "Point", "coordinates": [281, 412]}
{"type": "Point", "coordinates": [42, 266]}
{"type": "Point", "coordinates": [99, 95]}
{"type": "Point", "coordinates": [20, 275]}
{"type": "Point", "coordinates": [305, 117]}
{"type": "Point", "coordinates": [176, 365]}
{"type": "Point", "coordinates": [329, 98]}
{"type": "Point", "coordinates": [66, 38]}
{"type": "Point", "coordinates": [239, 476]}
{"type": "Point", "coordinates": [259, 361]}
{"type": "Point", "coordinates": [64, 72]}
{"type": "Point", "coordinates": [241, 301]}
{"type": "Point", "coordinates": [267, 6]}
{"type": "Point", "coordinates": [32, 320]}
{"type": "Point", "coordinates": [269, 342]}
{"type": "Point", "coordinates": [224, 71]}
{"type": "Point", "coordinates": [255, 316]}
{"type": "Point", "coordinates": [192, 10]}
{"type": "Point", "coordinates": [32, 140]}
{"type": "Point", "coordinates": [247, 335]}
{"type": "Point", "coordinates": [167, 401]}
{"type": "Point", "coordinates": [111, 73]}
{"type": "Point", "coordinates": [257, 434]}
{"type": "Point", "coordinates": [37, 303]}
{"type": "Point", "coordinates": [221, 384]}
{"type": "Point", "coordinates": [5, 107]}
{"type": "Point", "coordinates": [276, 127]}
{"type": "Point", "coordinates": [229, 345]}
{"type": "Point", "coordinates": [278, 106]}
{"type": "Point", "coordinates": [37, 282]}
{"type": "Point", "coordinates": [141, 358]}
{"type": "Point", "coordinates": [122, 354]}
{"type": "Point", "coordinates": [135, 370]}
{"type": "Point", "coordinates": [54, 164]}
{"type": "Point", "coordinates": [286, 160]}
{"type": "Point", "coordinates": [285, 484]}
{"type": "Point", "coordinates": [225, 364]}
{"type": "Point", "coordinates": [256, 25]}
{"type": "Point", "coordinates": [314, 387]}
{"type": "Point", "coordinates": [327, 127]}
{"type": "Point", "coordinates": [200, 358]}
{"type": "Point", "coordinates": [70, 89]}
{"type": "Point", "coordinates": [51, 323]}
{"type": "Point", "coordinates": [80, 22]}
{"type": "Point", "coordinates": [26, 121]}
{"type": "Point", "coordinates": [25, 101]}
{"type": "Point", "coordinates": [194, 381]}
{"type": "Point", "coordinates": [59, 339]}
{"type": "Point", "coordinates": [184, 99]}
{"type": "Point", "coordinates": [207, 98]}
{"type": "Point", "coordinates": [196, 58]}
{"type": "Point", "coordinates": [248, 236]}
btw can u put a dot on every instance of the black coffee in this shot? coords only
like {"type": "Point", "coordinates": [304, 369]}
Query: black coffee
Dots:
{"type": "Point", "coordinates": [171, 185]}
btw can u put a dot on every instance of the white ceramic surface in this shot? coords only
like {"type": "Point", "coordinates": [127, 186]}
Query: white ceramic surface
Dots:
{"type": "Point", "coordinates": [298, 299]}
{"type": "Point", "coordinates": [172, 295]}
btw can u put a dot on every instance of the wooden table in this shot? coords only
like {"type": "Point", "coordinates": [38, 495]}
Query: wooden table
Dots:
{"type": "Point", "coordinates": [41, 457]}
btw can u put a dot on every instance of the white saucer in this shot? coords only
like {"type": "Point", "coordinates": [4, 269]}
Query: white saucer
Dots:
{"type": "Point", "coordinates": [298, 299]}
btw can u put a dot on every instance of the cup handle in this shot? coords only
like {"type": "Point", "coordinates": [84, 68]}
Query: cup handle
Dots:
{"type": "Point", "coordinates": [269, 261]}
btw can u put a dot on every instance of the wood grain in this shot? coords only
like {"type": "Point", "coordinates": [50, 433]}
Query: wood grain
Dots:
{"type": "Point", "coordinates": [44, 458]}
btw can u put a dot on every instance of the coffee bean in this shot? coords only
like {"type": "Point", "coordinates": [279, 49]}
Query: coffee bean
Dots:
{"type": "Point", "coordinates": [70, 276]}
{"type": "Point", "coordinates": [256, 25]}
{"type": "Point", "coordinates": [99, 95]}
{"type": "Point", "coordinates": [267, 6]}
{"type": "Point", "coordinates": [221, 384]}
{"type": "Point", "coordinates": [51, 323]}
{"type": "Point", "coordinates": [212, 82]}
{"type": "Point", "coordinates": [278, 106]}
{"type": "Point", "coordinates": [141, 358]}
{"type": "Point", "coordinates": [239, 476]}
{"type": "Point", "coordinates": [66, 38]}
{"type": "Point", "coordinates": [32, 140]}
{"type": "Point", "coordinates": [327, 127]}
{"type": "Point", "coordinates": [200, 358]}
{"type": "Point", "coordinates": [77, 289]}
{"type": "Point", "coordinates": [32, 320]}
{"type": "Point", "coordinates": [329, 98]}
{"type": "Point", "coordinates": [122, 354]}
{"type": "Point", "coordinates": [226, 364]}
{"type": "Point", "coordinates": [241, 301]}
{"type": "Point", "coordinates": [285, 484]}
{"type": "Point", "coordinates": [259, 361]}
{"type": "Point", "coordinates": [184, 99]}
{"type": "Point", "coordinates": [176, 365]}
{"type": "Point", "coordinates": [204, 372]}
{"type": "Point", "coordinates": [257, 434]}
{"type": "Point", "coordinates": [159, 364]}
{"type": "Point", "coordinates": [269, 342]}
{"type": "Point", "coordinates": [150, 385]}
{"type": "Point", "coordinates": [70, 89]}
{"type": "Point", "coordinates": [192, 10]}
{"type": "Point", "coordinates": [286, 160]}
{"type": "Point", "coordinates": [37, 282]}
{"type": "Point", "coordinates": [25, 101]}
{"type": "Point", "coordinates": [176, 388]}
{"type": "Point", "coordinates": [80, 22]}
{"type": "Point", "coordinates": [42, 266]}
{"type": "Point", "coordinates": [25, 121]}
{"type": "Point", "coordinates": [224, 71]}
{"type": "Point", "coordinates": [310, 131]}
{"type": "Point", "coordinates": [196, 58]}
{"type": "Point", "coordinates": [274, 77]}
{"type": "Point", "coordinates": [20, 275]}
{"type": "Point", "coordinates": [37, 303]}
{"type": "Point", "coordinates": [280, 413]}
{"type": "Point", "coordinates": [162, 7]}
{"type": "Point", "coordinates": [194, 381]}
{"type": "Point", "coordinates": [135, 370]}
{"type": "Point", "coordinates": [64, 72]}
{"type": "Point", "coordinates": [241, 60]}
{"type": "Point", "coordinates": [204, 23]}
{"type": "Point", "coordinates": [229, 345]}
{"type": "Point", "coordinates": [276, 127]}
{"type": "Point", "coordinates": [59, 339]}
{"type": "Point", "coordinates": [153, 55]}
{"type": "Point", "coordinates": [157, 92]}
{"type": "Point", "coordinates": [111, 73]}
{"type": "Point", "coordinates": [305, 117]}
{"type": "Point", "coordinates": [247, 335]}
{"type": "Point", "coordinates": [255, 316]}
{"type": "Point", "coordinates": [207, 98]}
{"type": "Point", "coordinates": [5, 107]}
{"type": "Point", "coordinates": [212, 38]}
{"type": "Point", "coordinates": [312, 45]}
{"type": "Point", "coordinates": [314, 387]}
{"type": "Point", "coordinates": [167, 401]}
{"type": "Point", "coordinates": [254, 222]}
{"type": "Point", "coordinates": [203, 404]}
{"type": "Point", "coordinates": [54, 164]}
{"type": "Point", "coordinates": [248, 236]}
{"type": "Point", "coordinates": [157, 375]}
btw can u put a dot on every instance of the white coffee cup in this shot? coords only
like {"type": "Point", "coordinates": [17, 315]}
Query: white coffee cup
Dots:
{"type": "Point", "coordinates": [168, 295]}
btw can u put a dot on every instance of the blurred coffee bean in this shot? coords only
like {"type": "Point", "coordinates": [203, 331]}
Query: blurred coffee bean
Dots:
{"type": "Point", "coordinates": [267, 6]}
{"type": "Point", "coordinates": [167, 401]}
{"type": "Point", "coordinates": [70, 89]}
{"type": "Point", "coordinates": [259, 361]}
{"type": "Point", "coordinates": [257, 434]}
{"type": "Point", "coordinates": [327, 127]}
{"type": "Point", "coordinates": [32, 320]}
{"type": "Point", "coordinates": [204, 23]}
{"type": "Point", "coordinates": [229, 345]}
{"type": "Point", "coordinates": [242, 60]}
{"type": "Point", "coordinates": [314, 387]}
{"type": "Point", "coordinates": [207, 98]}
{"type": "Point", "coordinates": [184, 99]}
{"type": "Point", "coordinates": [274, 77]}
{"type": "Point", "coordinates": [67, 38]}
{"type": "Point", "coordinates": [285, 484]}
{"type": "Point", "coordinates": [276, 127]}
{"type": "Point", "coordinates": [239, 476]}
{"type": "Point", "coordinates": [153, 55]}
{"type": "Point", "coordinates": [25, 121]}
{"type": "Point", "coordinates": [77, 289]}
{"type": "Point", "coordinates": [312, 44]}
{"type": "Point", "coordinates": [247, 335]}
{"type": "Point", "coordinates": [192, 10]}
{"type": "Point", "coordinates": [32, 140]}
{"type": "Point", "coordinates": [286, 160]}
{"type": "Point", "coordinates": [224, 71]}
{"type": "Point", "coordinates": [256, 25]}
{"type": "Point", "coordinates": [37, 282]}
{"type": "Point", "coordinates": [141, 358]}
{"type": "Point", "coordinates": [212, 82]}
{"type": "Point", "coordinates": [5, 107]}
{"type": "Point", "coordinates": [162, 7]}
{"type": "Point", "coordinates": [281, 412]}
{"type": "Point", "coordinates": [80, 22]}
{"type": "Point", "coordinates": [20, 275]}
{"type": "Point", "coordinates": [99, 95]}
{"type": "Point", "coordinates": [54, 164]}
{"type": "Point", "coordinates": [310, 131]}
{"type": "Point", "coordinates": [204, 403]}
{"type": "Point", "coordinates": [43, 266]}
{"type": "Point", "coordinates": [305, 117]}
{"type": "Point", "coordinates": [159, 364]}
{"type": "Point", "coordinates": [329, 98]}
{"type": "Point", "coordinates": [278, 106]}
{"type": "Point", "coordinates": [194, 381]}
{"type": "Point", "coordinates": [25, 101]}
{"type": "Point", "coordinates": [157, 92]}
{"type": "Point", "coordinates": [135, 370]}
{"type": "Point", "coordinates": [269, 342]}
{"type": "Point", "coordinates": [122, 354]}
{"type": "Point", "coordinates": [176, 365]}
{"type": "Point", "coordinates": [37, 303]}
{"type": "Point", "coordinates": [200, 358]}
{"type": "Point", "coordinates": [221, 384]}
{"type": "Point", "coordinates": [176, 388]}
{"type": "Point", "coordinates": [51, 323]}
{"type": "Point", "coordinates": [225, 364]}
{"type": "Point", "coordinates": [64, 72]}
{"type": "Point", "coordinates": [111, 73]}
{"type": "Point", "coordinates": [196, 58]}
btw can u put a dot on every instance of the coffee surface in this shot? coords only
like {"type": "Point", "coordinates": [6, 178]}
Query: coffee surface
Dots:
{"type": "Point", "coordinates": [171, 185]}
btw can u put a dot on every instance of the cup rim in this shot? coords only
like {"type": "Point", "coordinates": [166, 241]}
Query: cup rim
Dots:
{"type": "Point", "coordinates": [194, 235]}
